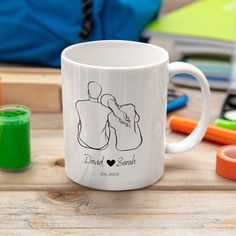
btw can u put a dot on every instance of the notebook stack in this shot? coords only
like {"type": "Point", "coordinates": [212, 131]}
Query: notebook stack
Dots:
{"type": "Point", "coordinates": [204, 33]}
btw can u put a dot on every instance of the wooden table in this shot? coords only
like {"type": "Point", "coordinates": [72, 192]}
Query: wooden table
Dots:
{"type": "Point", "coordinates": [191, 199]}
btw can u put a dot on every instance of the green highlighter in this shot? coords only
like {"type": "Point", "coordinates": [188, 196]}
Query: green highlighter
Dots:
{"type": "Point", "coordinates": [226, 124]}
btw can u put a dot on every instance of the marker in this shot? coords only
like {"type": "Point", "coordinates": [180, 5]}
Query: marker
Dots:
{"type": "Point", "coordinates": [226, 124]}
{"type": "Point", "coordinates": [214, 134]}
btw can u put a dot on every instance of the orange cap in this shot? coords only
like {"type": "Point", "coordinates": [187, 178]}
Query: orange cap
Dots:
{"type": "Point", "coordinates": [226, 161]}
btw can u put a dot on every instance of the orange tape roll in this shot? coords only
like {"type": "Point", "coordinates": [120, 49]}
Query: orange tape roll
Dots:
{"type": "Point", "coordinates": [226, 161]}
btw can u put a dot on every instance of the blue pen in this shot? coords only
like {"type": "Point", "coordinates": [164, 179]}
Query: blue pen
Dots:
{"type": "Point", "coordinates": [176, 100]}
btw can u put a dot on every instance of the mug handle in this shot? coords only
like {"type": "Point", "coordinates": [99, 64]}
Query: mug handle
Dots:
{"type": "Point", "coordinates": [198, 133]}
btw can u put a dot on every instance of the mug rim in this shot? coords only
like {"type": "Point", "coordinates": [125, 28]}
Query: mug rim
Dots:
{"type": "Point", "coordinates": [164, 59]}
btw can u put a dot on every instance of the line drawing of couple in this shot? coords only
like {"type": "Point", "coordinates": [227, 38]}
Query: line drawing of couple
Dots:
{"type": "Point", "coordinates": [100, 114]}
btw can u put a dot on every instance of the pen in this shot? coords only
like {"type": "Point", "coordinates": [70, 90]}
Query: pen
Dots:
{"type": "Point", "coordinates": [214, 134]}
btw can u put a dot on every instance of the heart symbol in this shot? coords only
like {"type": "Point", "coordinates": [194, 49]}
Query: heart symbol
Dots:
{"type": "Point", "coordinates": [111, 162]}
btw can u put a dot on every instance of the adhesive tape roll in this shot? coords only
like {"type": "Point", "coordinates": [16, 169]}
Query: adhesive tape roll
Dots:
{"type": "Point", "coordinates": [226, 161]}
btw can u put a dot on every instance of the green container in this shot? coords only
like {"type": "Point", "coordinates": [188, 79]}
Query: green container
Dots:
{"type": "Point", "coordinates": [14, 138]}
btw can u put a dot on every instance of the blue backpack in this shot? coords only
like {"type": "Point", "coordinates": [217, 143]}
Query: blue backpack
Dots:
{"type": "Point", "coordinates": [35, 32]}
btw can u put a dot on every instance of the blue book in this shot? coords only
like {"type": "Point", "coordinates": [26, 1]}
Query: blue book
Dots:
{"type": "Point", "coordinates": [216, 70]}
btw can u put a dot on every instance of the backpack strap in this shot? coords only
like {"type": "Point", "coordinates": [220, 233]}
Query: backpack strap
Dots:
{"type": "Point", "coordinates": [88, 21]}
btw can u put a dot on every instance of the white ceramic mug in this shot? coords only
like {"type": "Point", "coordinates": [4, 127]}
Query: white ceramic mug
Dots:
{"type": "Point", "coordinates": [114, 108]}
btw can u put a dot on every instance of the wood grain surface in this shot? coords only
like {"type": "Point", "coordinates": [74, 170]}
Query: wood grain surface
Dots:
{"type": "Point", "coordinates": [190, 199]}
{"type": "Point", "coordinates": [118, 213]}
{"type": "Point", "coordinates": [37, 88]}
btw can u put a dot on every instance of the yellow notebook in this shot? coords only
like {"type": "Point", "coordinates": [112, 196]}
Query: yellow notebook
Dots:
{"type": "Point", "coordinates": [209, 19]}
